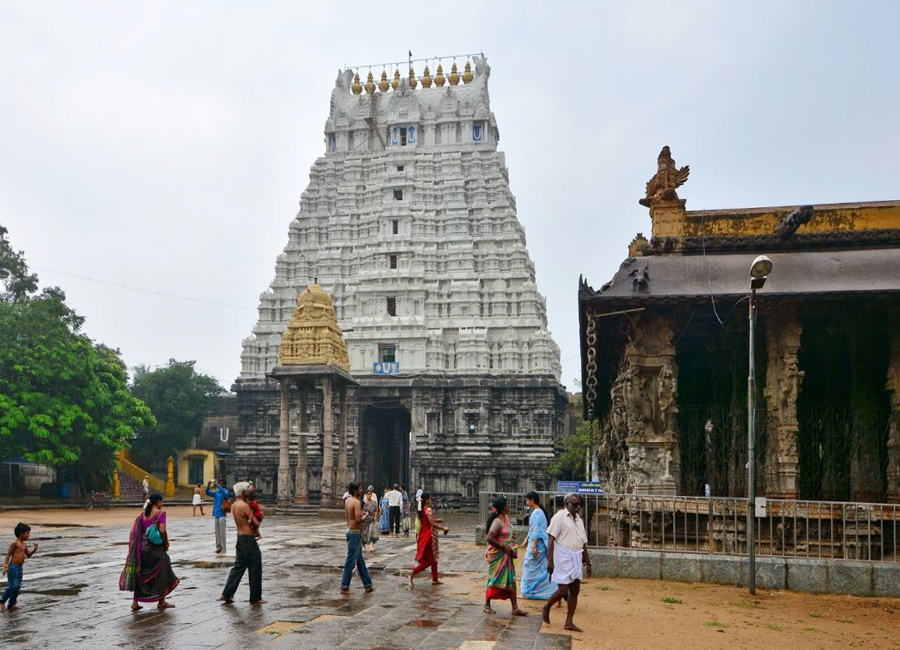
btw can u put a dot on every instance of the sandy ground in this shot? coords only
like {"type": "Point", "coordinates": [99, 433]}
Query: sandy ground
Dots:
{"type": "Point", "coordinates": [81, 517]}
{"type": "Point", "coordinates": [635, 614]}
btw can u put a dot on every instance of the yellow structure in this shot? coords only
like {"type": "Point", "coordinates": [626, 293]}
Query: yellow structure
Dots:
{"type": "Point", "coordinates": [204, 458]}
{"type": "Point", "coordinates": [138, 474]}
{"type": "Point", "coordinates": [672, 220]}
{"type": "Point", "coordinates": [313, 336]}
{"type": "Point", "coordinates": [170, 476]}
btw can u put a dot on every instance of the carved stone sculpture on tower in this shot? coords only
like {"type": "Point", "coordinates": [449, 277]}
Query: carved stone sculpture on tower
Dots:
{"type": "Point", "coordinates": [668, 177]}
{"type": "Point", "coordinates": [313, 336]}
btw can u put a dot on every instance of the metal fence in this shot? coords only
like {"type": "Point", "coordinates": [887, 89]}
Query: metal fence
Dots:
{"type": "Point", "coordinates": [718, 525]}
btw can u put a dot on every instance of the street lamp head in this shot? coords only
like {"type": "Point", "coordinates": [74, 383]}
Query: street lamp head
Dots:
{"type": "Point", "coordinates": [759, 271]}
{"type": "Point", "coordinates": [761, 267]}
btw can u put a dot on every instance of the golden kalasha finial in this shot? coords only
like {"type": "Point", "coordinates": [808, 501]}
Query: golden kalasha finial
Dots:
{"type": "Point", "coordinates": [395, 84]}
{"type": "Point", "coordinates": [384, 84]}
{"type": "Point", "coordinates": [412, 79]}
{"type": "Point", "coordinates": [370, 84]}
{"type": "Point", "coordinates": [356, 88]}
{"type": "Point", "coordinates": [426, 78]}
{"type": "Point", "coordinates": [439, 77]}
{"type": "Point", "coordinates": [467, 73]}
{"type": "Point", "coordinates": [454, 75]}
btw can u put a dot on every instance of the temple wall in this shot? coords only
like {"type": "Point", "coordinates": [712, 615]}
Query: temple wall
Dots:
{"type": "Point", "coordinates": [517, 427]}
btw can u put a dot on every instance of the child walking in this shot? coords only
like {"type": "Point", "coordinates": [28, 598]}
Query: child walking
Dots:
{"type": "Point", "coordinates": [12, 566]}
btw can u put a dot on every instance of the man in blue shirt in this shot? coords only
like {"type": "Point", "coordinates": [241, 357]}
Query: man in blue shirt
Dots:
{"type": "Point", "coordinates": [219, 493]}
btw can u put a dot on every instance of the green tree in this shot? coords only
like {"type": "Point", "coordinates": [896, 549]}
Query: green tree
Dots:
{"type": "Point", "coordinates": [572, 461]}
{"type": "Point", "coordinates": [180, 399]}
{"type": "Point", "coordinates": [64, 400]}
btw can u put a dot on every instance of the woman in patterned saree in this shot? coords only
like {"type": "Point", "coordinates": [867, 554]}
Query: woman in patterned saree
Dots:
{"type": "Point", "coordinates": [427, 554]}
{"type": "Point", "coordinates": [501, 554]}
{"type": "Point", "coordinates": [536, 583]}
{"type": "Point", "coordinates": [371, 511]}
{"type": "Point", "coordinates": [148, 569]}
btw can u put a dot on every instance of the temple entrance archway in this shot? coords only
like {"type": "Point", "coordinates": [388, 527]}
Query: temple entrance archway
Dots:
{"type": "Point", "coordinates": [384, 445]}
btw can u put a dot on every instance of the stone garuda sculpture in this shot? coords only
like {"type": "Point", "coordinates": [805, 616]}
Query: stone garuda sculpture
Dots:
{"type": "Point", "coordinates": [662, 186]}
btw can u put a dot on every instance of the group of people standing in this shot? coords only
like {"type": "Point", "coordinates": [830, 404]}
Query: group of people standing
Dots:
{"type": "Point", "coordinates": [365, 515]}
{"type": "Point", "coordinates": [148, 573]}
{"type": "Point", "coordinates": [556, 554]}
{"type": "Point", "coordinates": [387, 515]}
{"type": "Point", "coordinates": [554, 562]}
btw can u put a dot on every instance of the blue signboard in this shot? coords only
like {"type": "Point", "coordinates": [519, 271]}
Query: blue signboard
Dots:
{"type": "Point", "coordinates": [580, 487]}
{"type": "Point", "coordinates": [386, 368]}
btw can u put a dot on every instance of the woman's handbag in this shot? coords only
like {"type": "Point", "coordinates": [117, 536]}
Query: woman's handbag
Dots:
{"type": "Point", "coordinates": [153, 535]}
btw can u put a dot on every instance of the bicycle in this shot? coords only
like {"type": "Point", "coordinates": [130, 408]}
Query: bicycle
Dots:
{"type": "Point", "coordinates": [98, 499]}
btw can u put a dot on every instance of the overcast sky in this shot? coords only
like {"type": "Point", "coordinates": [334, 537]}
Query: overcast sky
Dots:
{"type": "Point", "coordinates": [165, 145]}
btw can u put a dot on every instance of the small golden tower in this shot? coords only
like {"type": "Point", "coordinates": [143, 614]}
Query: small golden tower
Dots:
{"type": "Point", "coordinates": [370, 84]}
{"type": "Point", "coordinates": [412, 79]}
{"type": "Point", "coordinates": [467, 74]}
{"type": "Point", "coordinates": [384, 84]}
{"type": "Point", "coordinates": [395, 83]}
{"type": "Point", "coordinates": [454, 75]}
{"type": "Point", "coordinates": [355, 87]}
{"type": "Point", "coordinates": [426, 78]}
{"type": "Point", "coordinates": [313, 336]}
{"type": "Point", "coordinates": [439, 77]}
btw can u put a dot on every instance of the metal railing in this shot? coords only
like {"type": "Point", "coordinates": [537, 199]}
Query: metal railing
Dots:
{"type": "Point", "coordinates": [718, 525]}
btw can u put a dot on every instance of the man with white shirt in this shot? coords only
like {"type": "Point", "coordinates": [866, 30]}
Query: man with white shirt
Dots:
{"type": "Point", "coordinates": [395, 505]}
{"type": "Point", "coordinates": [567, 552]}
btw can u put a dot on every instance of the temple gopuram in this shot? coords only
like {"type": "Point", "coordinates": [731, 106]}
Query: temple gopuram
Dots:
{"type": "Point", "coordinates": [449, 379]}
{"type": "Point", "coordinates": [665, 361]}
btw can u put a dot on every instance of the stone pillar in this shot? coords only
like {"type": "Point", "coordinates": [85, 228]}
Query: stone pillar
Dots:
{"type": "Point", "coordinates": [893, 386]}
{"type": "Point", "coordinates": [342, 472]}
{"type": "Point", "coordinates": [327, 499]}
{"type": "Point", "coordinates": [301, 478]}
{"type": "Point", "coordinates": [648, 385]}
{"type": "Point", "coordinates": [116, 485]}
{"type": "Point", "coordinates": [284, 457]}
{"type": "Point", "coordinates": [170, 476]}
{"type": "Point", "coordinates": [783, 381]}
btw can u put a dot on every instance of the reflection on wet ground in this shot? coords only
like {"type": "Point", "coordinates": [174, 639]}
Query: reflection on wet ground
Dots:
{"type": "Point", "coordinates": [70, 596]}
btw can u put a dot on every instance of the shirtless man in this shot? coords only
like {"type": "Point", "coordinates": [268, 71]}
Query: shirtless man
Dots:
{"type": "Point", "coordinates": [247, 554]}
{"type": "Point", "coordinates": [353, 510]}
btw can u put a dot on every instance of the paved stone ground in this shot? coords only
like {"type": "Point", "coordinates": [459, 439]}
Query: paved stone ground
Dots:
{"type": "Point", "coordinates": [70, 596]}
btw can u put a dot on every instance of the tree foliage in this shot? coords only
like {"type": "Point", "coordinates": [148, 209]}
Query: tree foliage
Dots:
{"type": "Point", "coordinates": [180, 398]}
{"type": "Point", "coordinates": [64, 400]}
{"type": "Point", "coordinates": [572, 461]}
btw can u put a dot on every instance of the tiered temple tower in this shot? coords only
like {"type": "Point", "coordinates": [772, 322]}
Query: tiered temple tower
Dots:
{"type": "Point", "coordinates": [409, 223]}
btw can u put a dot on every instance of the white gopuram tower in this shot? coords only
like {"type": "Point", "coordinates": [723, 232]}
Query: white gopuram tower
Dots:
{"type": "Point", "coordinates": [409, 223]}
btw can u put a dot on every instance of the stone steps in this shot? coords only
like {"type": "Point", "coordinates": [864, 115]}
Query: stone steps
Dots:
{"type": "Point", "coordinates": [304, 510]}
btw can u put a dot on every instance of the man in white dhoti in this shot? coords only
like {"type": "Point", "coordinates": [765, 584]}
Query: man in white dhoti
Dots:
{"type": "Point", "coordinates": [567, 553]}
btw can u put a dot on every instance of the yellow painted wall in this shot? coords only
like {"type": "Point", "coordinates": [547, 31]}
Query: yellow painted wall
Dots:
{"type": "Point", "coordinates": [836, 217]}
{"type": "Point", "coordinates": [210, 465]}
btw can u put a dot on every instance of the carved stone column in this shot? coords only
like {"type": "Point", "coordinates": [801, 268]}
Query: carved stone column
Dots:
{"type": "Point", "coordinates": [301, 479]}
{"type": "Point", "coordinates": [284, 458]}
{"type": "Point", "coordinates": [783, 381]}
{"type": "Point", "coordinates": [893, 386]}
{"type": "Point", "coordinates": [327, 499]}
{"type": "Point", "coordinates": [342, 446]}
{"type": "Point", "coordinates": [649, 386]}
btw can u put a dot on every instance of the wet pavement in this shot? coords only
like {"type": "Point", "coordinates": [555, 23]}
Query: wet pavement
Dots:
{"type": "Point", "coordinates": [70, 595]}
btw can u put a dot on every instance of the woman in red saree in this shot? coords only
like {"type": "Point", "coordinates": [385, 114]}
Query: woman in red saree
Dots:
{"type": "Point", "coordinates": [427, 555]}
{"type": "Point", "coordinates": [501, 557]}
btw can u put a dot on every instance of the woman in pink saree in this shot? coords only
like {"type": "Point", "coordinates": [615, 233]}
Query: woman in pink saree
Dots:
{"type": "Point", "coordinates": [148, 569]}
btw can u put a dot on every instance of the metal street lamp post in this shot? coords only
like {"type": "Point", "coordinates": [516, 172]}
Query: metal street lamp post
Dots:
{"type": "Point", "coordinates": [759, 271]}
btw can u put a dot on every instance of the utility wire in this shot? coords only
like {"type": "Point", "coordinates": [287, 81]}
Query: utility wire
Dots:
{"type": "Point", "coordinates": [154, 292]}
